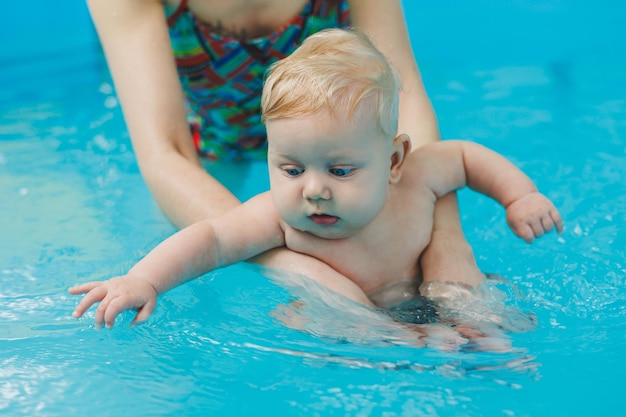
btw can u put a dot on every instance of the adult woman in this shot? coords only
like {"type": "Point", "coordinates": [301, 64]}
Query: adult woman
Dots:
{"type": "Point", "coordinates": [138, 44]}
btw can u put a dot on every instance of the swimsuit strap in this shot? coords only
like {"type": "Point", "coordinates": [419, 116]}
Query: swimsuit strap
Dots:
{"type": "Point", "coordinates": [179, 10]}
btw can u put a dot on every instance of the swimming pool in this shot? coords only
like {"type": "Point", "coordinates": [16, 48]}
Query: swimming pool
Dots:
{"type": "Point", "coordinates": [540, 81]}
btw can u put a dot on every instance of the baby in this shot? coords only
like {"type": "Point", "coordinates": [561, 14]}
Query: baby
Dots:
{"type": "Point", "coordinates": [344, 186]}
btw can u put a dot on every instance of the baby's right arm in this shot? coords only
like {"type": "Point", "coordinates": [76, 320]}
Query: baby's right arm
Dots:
{"type": "Point", "coordinates": [116, 295]}
{"type": "Point", "coordinates": [184, 255]}
{"type": "Point", "coordinates": [245, 231]}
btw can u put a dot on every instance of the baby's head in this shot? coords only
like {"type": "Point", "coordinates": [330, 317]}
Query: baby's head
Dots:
{"type": "Point", "coordinates": [331, 113]}
{"type": "Point", "coordinates": [337, 71]}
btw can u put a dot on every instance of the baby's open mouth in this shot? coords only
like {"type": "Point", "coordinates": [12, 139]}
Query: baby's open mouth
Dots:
{"type": "Point", "coordinates": [324, 219]}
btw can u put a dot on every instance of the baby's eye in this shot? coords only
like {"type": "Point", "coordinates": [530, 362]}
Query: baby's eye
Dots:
{"type": "Point", "coordinates": [341, 172]}
{"type": "Point", "coordinates": [293, 171]}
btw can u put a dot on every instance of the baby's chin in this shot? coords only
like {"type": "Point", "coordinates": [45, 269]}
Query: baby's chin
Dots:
{"type": "Point", "coordinates": [334, 232]}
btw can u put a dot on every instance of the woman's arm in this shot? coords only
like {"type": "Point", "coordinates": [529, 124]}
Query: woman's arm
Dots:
{"type": "Point", "coordinates": [384, 24]}
{"type": "Point", "coordinates": [448, 257]}
{"type": "Point", "coordinates": [135, 39]}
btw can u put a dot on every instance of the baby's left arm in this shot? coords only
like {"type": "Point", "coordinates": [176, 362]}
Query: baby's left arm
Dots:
{"type": "Point", "coordinates": [532, 216]}
{"type": "Point", "coordinates": [451, 165]}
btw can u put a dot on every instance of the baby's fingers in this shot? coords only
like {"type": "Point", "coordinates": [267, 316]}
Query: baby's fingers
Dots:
{"type": "Point", "coordinates": [524, 231]}
{"type": "Point", "coordinates": [552, 220]}
{"type": "Point", "coordinates": [111, 310]}
{"type": "Point", "coordinates": [84, 288]}
{"type": "Point", "coordinates": [537, 227]}
{"type": "Point", "coordinates": [95, 294]}
{"type": "Point", "coordinates": [103, 309]}
{"type": "Point", "coordinates": [557, 220]}
{"type": "Point", "coordinates": [114, 307]}
{"type": "Point", "coordinates": [143, 313]}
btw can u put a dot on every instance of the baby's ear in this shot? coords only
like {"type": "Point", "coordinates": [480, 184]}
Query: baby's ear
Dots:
{"type": "Point", "coordinates": [401, 149]}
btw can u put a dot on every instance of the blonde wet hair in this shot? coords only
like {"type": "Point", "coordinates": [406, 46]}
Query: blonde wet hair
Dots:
{"type": "Point", "coordinates": [334, 70]}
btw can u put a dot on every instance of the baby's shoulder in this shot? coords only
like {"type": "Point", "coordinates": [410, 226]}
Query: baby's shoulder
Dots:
{"type": "Point", "coordinates": [415, 169]}
{"type": "Point", "coordinates": [261, 204]}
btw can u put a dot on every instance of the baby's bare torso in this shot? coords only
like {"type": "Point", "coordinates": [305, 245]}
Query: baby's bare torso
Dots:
{"type": "Point", "coordinates": [386, 251]}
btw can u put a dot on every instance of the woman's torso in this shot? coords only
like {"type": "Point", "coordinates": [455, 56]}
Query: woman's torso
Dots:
{"type": "Point", "coordinates": [222, 51]}
{"type": "Point", "coordinates": [250, 18]}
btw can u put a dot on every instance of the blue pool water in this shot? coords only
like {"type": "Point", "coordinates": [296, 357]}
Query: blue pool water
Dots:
{"type": "Point", "coordinates": [542, 82]}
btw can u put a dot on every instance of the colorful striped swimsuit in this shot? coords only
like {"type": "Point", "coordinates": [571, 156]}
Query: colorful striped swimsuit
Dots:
{"type": "Point", "coordinates": [223, 77]}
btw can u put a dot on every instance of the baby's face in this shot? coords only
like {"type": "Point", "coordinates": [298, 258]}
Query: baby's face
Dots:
{"type": "Point", "coordinates": [329, 176]}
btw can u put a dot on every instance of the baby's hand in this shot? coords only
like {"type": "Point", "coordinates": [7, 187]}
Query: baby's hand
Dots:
{"type": "Point", "coordinates": [532, 216]}
{"type": "Point", "coordinates": [115, 296]}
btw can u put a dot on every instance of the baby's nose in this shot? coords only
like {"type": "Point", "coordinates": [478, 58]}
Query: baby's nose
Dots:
{"type": "Point", "coordinates": [316, 189]}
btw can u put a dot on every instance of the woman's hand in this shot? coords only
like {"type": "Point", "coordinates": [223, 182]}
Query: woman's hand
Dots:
{"type": "Point", "coordinates": [115, 296]}
{"type": "Point", "coordinates": [448, 257]}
